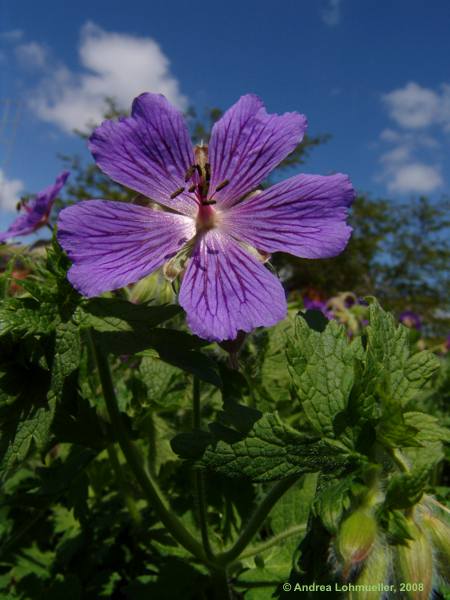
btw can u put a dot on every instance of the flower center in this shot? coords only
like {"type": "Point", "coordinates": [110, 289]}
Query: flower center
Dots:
{"type": "Point", "coordinates": [207, 217]}
{"type": "Point", "coordinates": [197, 179]}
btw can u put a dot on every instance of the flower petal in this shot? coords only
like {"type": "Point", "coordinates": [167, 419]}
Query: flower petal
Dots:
{"type": "Point", "coordinates": [112, 244]}
{"type": "Point", "coordinates": [24, 224]}
{"type": "Point", "coordinates": [149, 152]}
{"type": "Point", "coordinates": [226, 290]}
{"type": "Point", "coordinates": [246, 144]}
{"type": "Point", "coordinates": [37, 210]}
{"type": "Point", "coordinates": [42, 203]}
{"type": "Point", "coordinates": [304, 215]}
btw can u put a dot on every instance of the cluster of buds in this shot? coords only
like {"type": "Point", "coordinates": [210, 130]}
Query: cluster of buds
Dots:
{"type": "Point", "coordinates": [154, 287]}
{"type": "Point", "coordinates": [373, 567]}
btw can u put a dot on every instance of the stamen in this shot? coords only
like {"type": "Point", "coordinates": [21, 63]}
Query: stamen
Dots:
{"type": "Point", "coordinates": [192, 188]}
{"type": "Point", "coordinates": [204, 187]}
{"type": "Point", "coordinates": [177, 192]}
{"type": "Point", "coordinates": [207, 171]}
{"type": "Point", "coordinates": [222, 185]}
{"type": "Point", "coordinates": [208, 202]}
{"type": "Point", "coordinates": [189, 173]}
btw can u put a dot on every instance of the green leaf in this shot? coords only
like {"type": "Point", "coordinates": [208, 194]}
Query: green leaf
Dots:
{"type": "Point", "coordinates": [27, 316]}
{"type": "Point", "coordinates": [273, 380]}
{"type": "Point", "coordinates": [191, 445]}
{"type": "Point", "coordinates": [428, 427]}
{"type": "Point", "coordinates": [393, 431]}
{"type": "Point", "coordinates": [323, 372]}
{"type": "Point", "coordinates": [397, 527]}
{"type": "Point", "coordinates": [333, 498]}
{"type": "Point", "coordinates": [115, 314]}
{"type": "Point", "coordinates": [316, 320]}
{"type": "Point", "coordinates": [163, 381]}
{"type": "Point", "coordinates": [272, 451]}
{"type": "Point", "coordinates": [66, 358]}
{"type": "Point", "coordinates": [406, 489]}
{"type": "Point", "coordinates": [25, 429]}
{"type": "Point", "coordinates": [164, 341]}
{"type": "Point", "coordinates": [78, 423]}
{"type": "Point", "coordinates": [293, 509]}
{"type": "Point", "coordinates": [391, 369]}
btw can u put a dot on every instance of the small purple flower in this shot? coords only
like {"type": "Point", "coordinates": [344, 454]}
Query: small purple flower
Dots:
{"type": "Point", "coordinates": [315, 304]}
{"type": "Point", "coordinates": [410, 319]}
{"type": "Point", "coordinates": [210, 225]}
{"type": "Point", "coordinates": [35, 211]}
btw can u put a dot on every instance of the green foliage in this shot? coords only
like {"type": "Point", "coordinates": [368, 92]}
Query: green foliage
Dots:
{"type": "Point", "coordinates": [338, 423]}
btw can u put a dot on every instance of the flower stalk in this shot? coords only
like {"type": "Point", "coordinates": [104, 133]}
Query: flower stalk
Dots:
{"type": "Point", "coordinates": [134, 460]}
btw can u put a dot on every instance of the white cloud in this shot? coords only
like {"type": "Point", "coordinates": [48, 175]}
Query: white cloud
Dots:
{"type": "Point", "coordinates": [415, 178]}
{"type": "Point", "coordinates": [115, 65]}
{"type": "Point", "coordinates": [31, 55]}
{"type": "Point", "coordinates": [331, 13]}
{"type": "Point", "coordinates": [412, 156]}
{"type": "Point", "coordinates": [417, 107]}
{"type": "Point", "coordinates": [10, 192]}
{"type": "Point", "coordinates": [11, 36]}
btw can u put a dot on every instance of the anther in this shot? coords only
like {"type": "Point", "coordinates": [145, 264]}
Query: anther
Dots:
{"type": "Point", "coordinates": [177, 193]}
{"type": "Point", "coordinates": [222, 185]}
{"type": "Point", "coordinates": [192, 188]}
{"type": "Point", "coordinates": [208, 202]}
{"type": "Point", "coordinates": [207, 171]}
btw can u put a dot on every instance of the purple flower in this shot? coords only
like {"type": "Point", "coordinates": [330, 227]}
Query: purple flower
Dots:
{"type": "Point", "coordinates": [210, 226]}
{"type": "Point", "coordinates": [410, 319]}
{"type": "Point", "coordinates": [35, 212]}
{"type": "Point", "coordinates": [316, 304]}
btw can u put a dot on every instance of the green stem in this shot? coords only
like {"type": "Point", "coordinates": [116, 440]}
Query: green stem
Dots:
{"type": "Point", "coordinates": [219, 578]}
{"type": "Point", "coordinates": [134, 460]}
{"type": "Point", "coordinates": [200, 490]}
{"type": "Point", "coordinates": [273, 541]}
{"type": "Point", "coordinates": [400, 460]}
{"type": "Point", "coordinates": [123, 487]}
{"type": "Point", "coordinates": [256, 520]}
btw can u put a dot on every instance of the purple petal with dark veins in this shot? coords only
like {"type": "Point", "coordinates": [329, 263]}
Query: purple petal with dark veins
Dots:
{"type": "Point", "coordinates": [304, 215]}
{"type": "Point", "coordinates": [226, 290]}
{"type": "Point", "coordinates": [149, 152]}
{"type": "Point", "coordinates": [36, 211]}
{"type": "Point", "coordinates": [113, 244]}
{"type": "Point", "coordinates": [246, 144]}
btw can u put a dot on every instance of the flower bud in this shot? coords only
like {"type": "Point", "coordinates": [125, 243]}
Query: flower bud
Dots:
{"type": "Point", "coordinates": [153, 287]}
{"type": "Point", "coordinates": [375, 573]}
{"type": "Point", "coordinates": [415, 564]}
{"type": "Point", "coordinates": [439, 533]}
{"type": "Point", "coordinates": [356, 538]}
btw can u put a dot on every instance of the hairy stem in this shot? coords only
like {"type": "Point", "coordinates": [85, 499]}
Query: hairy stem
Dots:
{"type": "Point", "coordinates": [123, 487]}
{"type": "Point", "coordinates": [134, 460]}
{"type": "Point", "coordinates": [200, 491]}
{"type": "Point", "coordinates": [219, 578]}
{"type": "Point", "coordinates": [273, 541]}
{"type": "Point", "coordinates": [256, 520]}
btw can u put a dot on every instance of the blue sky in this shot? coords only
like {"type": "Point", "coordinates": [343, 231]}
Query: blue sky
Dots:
{"type": "Point", "coordinates": [373, 73]}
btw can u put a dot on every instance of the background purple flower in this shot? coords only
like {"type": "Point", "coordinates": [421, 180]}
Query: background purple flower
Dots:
{"type": "Point", "coordinates": [316, 304]}
{"type": "Point", "coordinates": [35, 212]}
{"type": "Point", "coordinates": [410, 319]}
{"type": "Point", "coordinates": [219, 230]}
